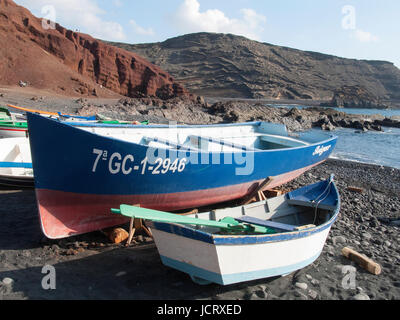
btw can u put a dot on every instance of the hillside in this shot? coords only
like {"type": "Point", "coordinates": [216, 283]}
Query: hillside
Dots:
{"type": "Point", "coordinates": [224, 65]}
{"type": "Point", "coordinates": [71, 63]}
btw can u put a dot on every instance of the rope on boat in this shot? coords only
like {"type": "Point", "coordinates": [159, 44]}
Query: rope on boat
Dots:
{"type": "Point", "coordinates": [327, 191]}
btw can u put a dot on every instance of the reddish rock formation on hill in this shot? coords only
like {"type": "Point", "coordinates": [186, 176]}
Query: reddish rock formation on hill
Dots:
{"type": "Point", "coordinates": [73, 63]}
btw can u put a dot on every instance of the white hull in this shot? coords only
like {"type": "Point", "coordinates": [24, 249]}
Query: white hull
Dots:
{"type": "Point", "coordinates": [227, 264]}
{"type": "Point", "coordinates": [304, 216]}
{"type": "Point", "coordinates": [15, 162]}
{"type": "Point", "coordinates": [7, 133]}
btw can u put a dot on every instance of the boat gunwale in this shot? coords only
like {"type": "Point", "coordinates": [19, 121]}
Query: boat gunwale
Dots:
{"type": "Point", "coordinates": [77, 125]}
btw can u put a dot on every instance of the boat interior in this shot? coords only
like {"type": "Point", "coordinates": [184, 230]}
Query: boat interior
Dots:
{"type": "Point", "coordinates": [286, 213]}
{"type": "Point", "coordinates": [15, 151]}
{"type": "Point", "coordinates": [256, 136]}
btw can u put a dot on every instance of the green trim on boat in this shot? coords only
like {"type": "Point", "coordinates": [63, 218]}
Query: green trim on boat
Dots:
{"type": "Point", "coordinates": [227, 224]}
{"type": "Point", "coordinates": [14, 124]}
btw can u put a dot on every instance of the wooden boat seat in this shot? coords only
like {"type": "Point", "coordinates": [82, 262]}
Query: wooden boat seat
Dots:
{"type": "Point", "coordinates": [284, 141]}
{"type": "Point", "coordinates": [323, 205]}
{"type": "Point", "coordinates": [169, 143]}
{"type": "Point", "coordinates": [312, 197]}
{"type": "Point", "coordinates": [225, 143]}
{"type": "Point", "coordinates": [266, 223]}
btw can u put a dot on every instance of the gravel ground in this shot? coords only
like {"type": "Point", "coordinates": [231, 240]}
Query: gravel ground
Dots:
{"type": "Point", "coordinates": [90, 267]}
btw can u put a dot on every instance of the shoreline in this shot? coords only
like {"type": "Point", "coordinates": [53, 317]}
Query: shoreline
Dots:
{"type": "Point", "coordinates": [90, 267]}
{"type": "Point", "coordinates": [294, 103]}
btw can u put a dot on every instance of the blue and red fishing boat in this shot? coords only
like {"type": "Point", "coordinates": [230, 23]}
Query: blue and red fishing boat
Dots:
{"type": "Point", "coordinates": [82, 170]}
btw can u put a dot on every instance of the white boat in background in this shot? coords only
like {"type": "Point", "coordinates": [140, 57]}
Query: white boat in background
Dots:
{"type": "Point", "coordinates": [16, 163]}
{"type": "Point", "coordinates": [5, 115]}
{"type": "Point", "coordinates": [230, 245]}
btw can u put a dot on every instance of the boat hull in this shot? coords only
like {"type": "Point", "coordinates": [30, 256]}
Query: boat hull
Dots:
{"type": "Point", "coordinates": [16, 164]}
{"type": "Point", "coordinates": [228, 264]}
{"type": "Point", "coordinates": [83, 175]}
{"type": "Point", "coordinates": [9, 132]}
{"type": "Point", "coordinates": [211, 257]}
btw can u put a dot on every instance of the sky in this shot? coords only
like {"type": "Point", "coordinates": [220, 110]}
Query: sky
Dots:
{"type": "Point", "coordinates": [359, 29]}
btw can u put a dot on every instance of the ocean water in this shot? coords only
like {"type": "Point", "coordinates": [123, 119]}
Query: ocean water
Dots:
{"type": "Point", "coordinates": [380, 148]}
{"type": "Point", "coordinates": [387, 113]}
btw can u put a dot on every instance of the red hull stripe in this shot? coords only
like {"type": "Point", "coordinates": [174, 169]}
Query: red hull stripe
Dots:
{"type": "Point", "coordinates": [19, 130]}
{"type": "Point", "coordinates": [64, 214]}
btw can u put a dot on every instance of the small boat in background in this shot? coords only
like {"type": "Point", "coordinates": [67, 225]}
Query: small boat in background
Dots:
{"type": "Point", "coordinates": [157, 166]}
{"type": "Point", "coordinates": [16, 163]}
{"type": "Point", "coordinates": [260, 240]}
{"type": "Point", "coordinates": [13, 129]}
{"type": "Point", "coordinates": [12, 125]}
{"type": "Point", "coordinates": [56, 115]}
{"type": "Point", "coordinates": [6, 115]}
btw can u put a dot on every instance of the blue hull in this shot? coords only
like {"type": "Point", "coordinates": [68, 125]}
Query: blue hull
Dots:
{"type": "Point", "coordinates": [87, 167]}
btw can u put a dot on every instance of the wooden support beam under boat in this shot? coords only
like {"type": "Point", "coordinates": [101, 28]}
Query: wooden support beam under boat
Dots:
{"type": "Point", "coordinates": [137, 225]}
{"type": "Point", "coordinates": [257, 189]}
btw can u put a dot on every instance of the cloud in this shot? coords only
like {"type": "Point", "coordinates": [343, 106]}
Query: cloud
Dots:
{"type": "Point", "coordinates": [140, 30]}
{"type": "Point", "coordinates": [83, 14]}
{"type": "Point", "coordinates": [118, 3]}
{"type": "Point", "coordinates": [189, 18]}
{"type": "Point", "coordinates": [364, 36]}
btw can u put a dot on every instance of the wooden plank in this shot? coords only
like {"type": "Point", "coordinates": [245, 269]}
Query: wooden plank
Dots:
{"type": "Point", "coordinates": [302, 203]}
{"type": "Point", "coordinates": [194, 211]}
{"type": "Point", "coordinates": [273, 193]}
{"type": "Point", "coordinates": [267, 223]}
{"type": "Point", "coordinates": [261, 196]}
{"type": "Point", "coordinates": [132, 228]}
{"type": "Point", "coordinates": [229, 224]}
{"type": "Point", "coordinates": [355, 189]}
{"type": "Point", "coordinates": [225, 143]}
{"type": "Point", "coordinates": [362, 260]}
{"type": "Point", "coordinates": [253, 194]}
{"type": "Point", "coordinates": [169, 143]}
{"type": "Point", "coordinates": [131, 232]}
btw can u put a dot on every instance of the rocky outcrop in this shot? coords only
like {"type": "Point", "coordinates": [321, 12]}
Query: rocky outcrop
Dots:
{"type": "Point", "coordinates": [224, 65]}
{"type": "Point", "coordinates": [355, 97]}
{"type": "Point", "coordinates": [188, 111]}
{"type": "Point", "coordinates": [60, 59]}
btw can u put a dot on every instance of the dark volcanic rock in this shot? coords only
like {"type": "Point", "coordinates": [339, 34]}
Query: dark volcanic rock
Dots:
{"type": "Point", "coordinates": [58, 59]}
{"type": "Point", "coordinates": [190, 111]}
{"type": "Point", "coordinates": [355, 97]}
{"type": "Point", "coordinates": [224, 65]}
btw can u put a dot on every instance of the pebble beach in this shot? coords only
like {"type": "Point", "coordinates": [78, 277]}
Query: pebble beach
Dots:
{"type": "Point", "coordinates": [91, 267]}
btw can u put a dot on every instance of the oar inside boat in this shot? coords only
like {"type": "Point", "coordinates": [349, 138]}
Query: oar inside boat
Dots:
{"type": "Point", "coordinates": [227, 224]}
